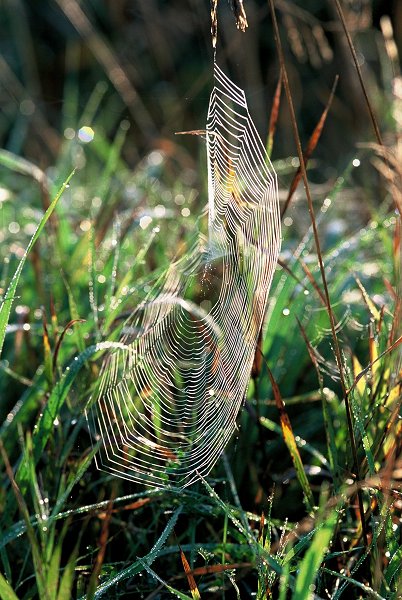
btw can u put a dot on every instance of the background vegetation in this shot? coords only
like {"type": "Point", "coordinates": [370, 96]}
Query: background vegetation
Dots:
{"type": "Point", "coordinates": [101, 87]}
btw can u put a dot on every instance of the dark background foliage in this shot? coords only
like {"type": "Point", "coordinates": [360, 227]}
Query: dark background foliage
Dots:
{"type": "Point", "coordinates": [164, 50]}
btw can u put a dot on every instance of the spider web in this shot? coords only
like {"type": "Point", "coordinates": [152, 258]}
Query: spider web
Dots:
{"type": "Point", "coordinates": [167, 400]}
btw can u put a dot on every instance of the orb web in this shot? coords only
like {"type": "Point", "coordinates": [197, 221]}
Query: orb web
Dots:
{"type": "Point", "coordinates": [167, 399]}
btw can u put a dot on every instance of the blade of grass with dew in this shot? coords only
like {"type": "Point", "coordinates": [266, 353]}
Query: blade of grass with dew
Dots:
{"type": "Point", "coordinates": [328, 424]}
{"type": "Point", "coordinates": [5, 308]}
{"type": "Point", "coordinates": [310, 564]}
{"type": "Point", "coordinates": [115, 255]}
{"type": "Point", "coordinates": [265, 575]}
{"type": "Point", "coordinates": [44, 533]}
{"type": "Point", "coordinates": [44, 426]}
{"type": "Point", "coordinates": [274, 564]}
{"type": "Point", "coordinates": [394, 552]}
{"type": "Point", "coordinates": [299, 548]}
{"type": "Point", "coordinates": [398, 586]}
{"type": "Point", "coordinates": [40, 575]}
{"type": "Point", "coordinates": [47, 354]}
{"type": "Point", "coordinates": [6, 591]}
{"type": "Point", "coordinates": [361, 385]}
{"type": "Point", "coordinates": [363, 434]}
{"type": "Point", "coordinates": [231, 576]}
{"type": "Point", "coordinates": [350, 580]}
{"type": "Point", "coordinates": [171, 589]}
{"type": "Point", "coordinates": [93, 284]}
{"type": "Point", "coordinates": [224, 537]}
{"type": "Point", "coordinates": [138, 565]}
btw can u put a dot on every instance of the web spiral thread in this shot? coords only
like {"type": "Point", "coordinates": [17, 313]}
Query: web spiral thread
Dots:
{"type": "Point", "coordinates": [167, 401]}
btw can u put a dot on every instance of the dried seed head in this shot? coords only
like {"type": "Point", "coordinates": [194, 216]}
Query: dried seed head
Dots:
{"type": "Point", "coordinates": [240, 14]}
{"type": "Point", "coordinates": [214, 21]}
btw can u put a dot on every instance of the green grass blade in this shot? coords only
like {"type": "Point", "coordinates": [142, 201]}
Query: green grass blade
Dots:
{"type": "Point", "coordinates": [6, 591]}
{"type": "Point", "coordinates": [53, 573]}
{"type": "Point", "coordinates": [365, 441]}
{"type": "Point", "coordinates": [83, 467]}
{"type": "Point", "coordinates": [284, 582]}
{"type": "Point", "coordinates": [304, 587]}
{"type": "Point", "coordinates": [21, 165]}
{"type": "Point", "coordinates": [67, 579]}
{"type": "Point", "coordinates": [75, 316]}
{"type": "Point", "coordinates": [394, 566]}
{"type": "Point", "coordinates": [5, 308]}
{"type": "Point", "coordinates": [45, 427]}
{"type": "Point", "coordinates": [370, 593]}
{"type": "Point", "coordinates": [39, 566]}
{"type": "Point", "coordinates": [58, 396]}
{"type": "Point", "coordinates": [273, 563]}
{"type": "Point", "coordinates": [138, 566]}
{"type": "Point", "coordinates": [172, 590]}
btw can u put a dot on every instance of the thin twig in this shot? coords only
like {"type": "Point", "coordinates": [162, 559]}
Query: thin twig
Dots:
{"type": "Point", "coordinates": [359, 73]}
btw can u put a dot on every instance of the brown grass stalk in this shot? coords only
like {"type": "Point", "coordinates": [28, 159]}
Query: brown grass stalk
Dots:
{"type": "Point", "coordinates": [337, 349]}
{"type": "Point", "coordinates": [311, 145]}
{"type": "Point", "coordinates": [273, 119]}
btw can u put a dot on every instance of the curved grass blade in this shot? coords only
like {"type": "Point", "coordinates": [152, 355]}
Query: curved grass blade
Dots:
{"type": "Point", "coordinates": [304, 587]}
{"type": "Point", "coordinates": [138, 566]}
{"type": "Point", "coordinates": [5, 308]}
{"type": "Point", "coordinates": [290, 442]}
{"type": "Point", "coordinates": [45, 426]}
{"type": "Point", "coordinates": [6, 591]}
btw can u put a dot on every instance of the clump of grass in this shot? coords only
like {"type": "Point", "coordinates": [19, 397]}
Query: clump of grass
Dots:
{"type": "Point", "coordinates": [69, 531]}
